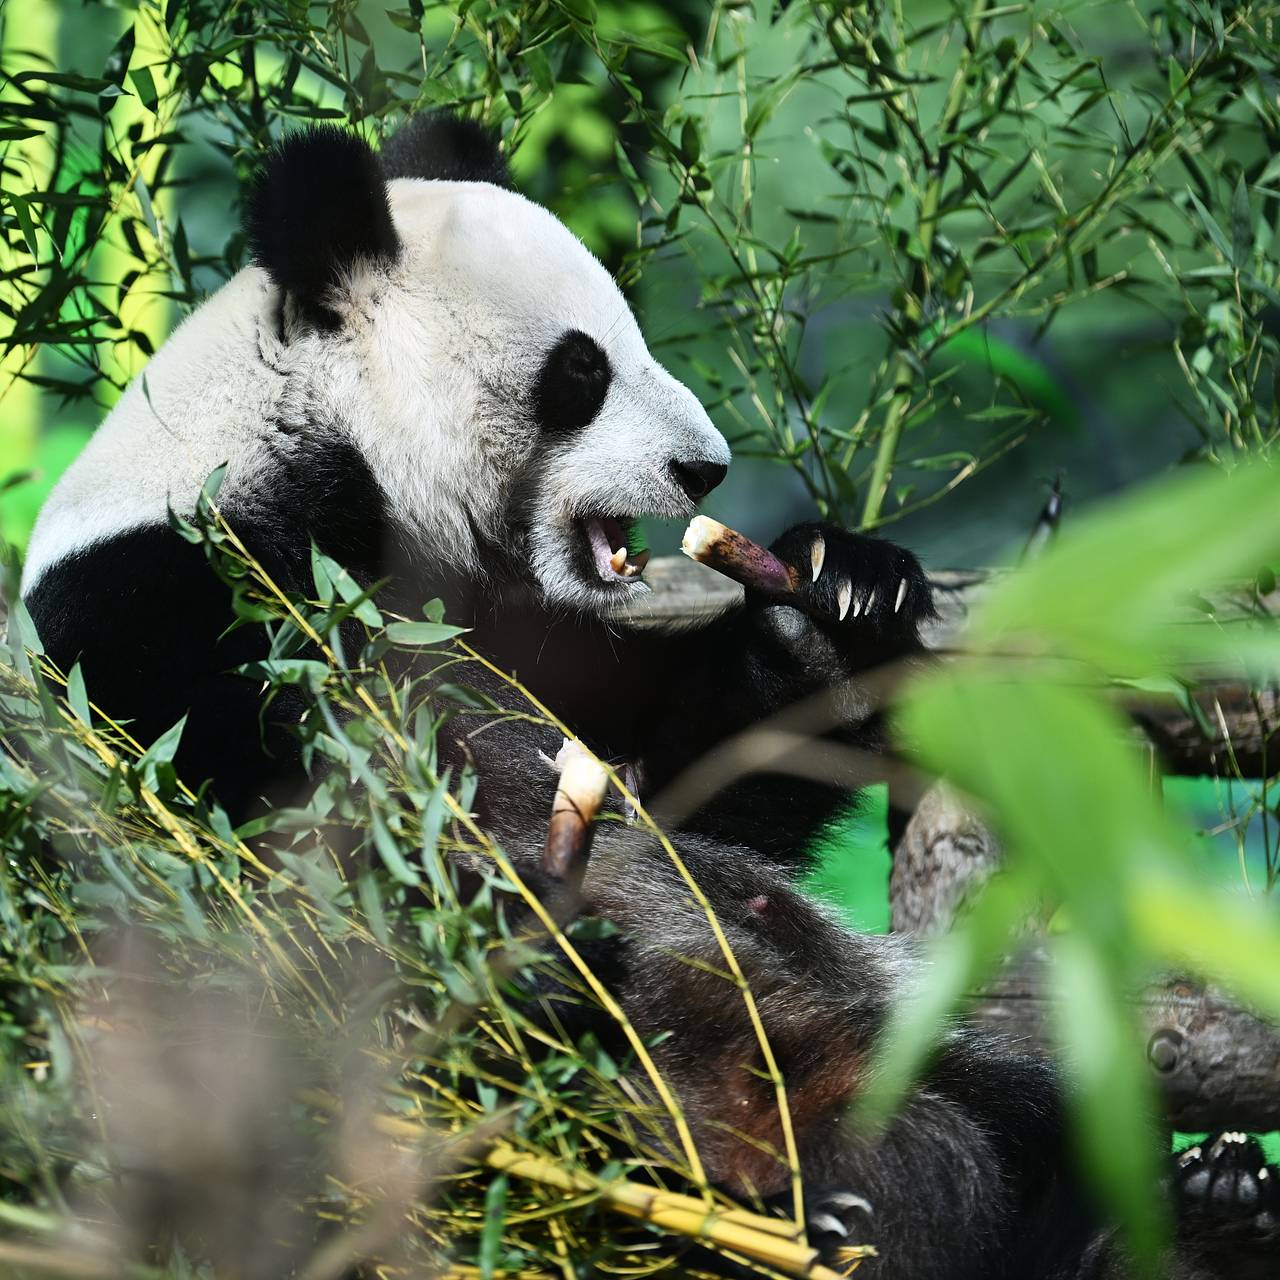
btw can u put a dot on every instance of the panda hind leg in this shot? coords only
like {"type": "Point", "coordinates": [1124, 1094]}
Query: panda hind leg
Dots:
{"type": "Point", "coordinates": [1226, 1181]}
{"type": "Point", "coordinates": [1226, 1199]}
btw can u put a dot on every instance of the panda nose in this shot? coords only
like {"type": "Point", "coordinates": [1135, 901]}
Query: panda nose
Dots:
{"type": "Point", "coordinates": [697, 478]}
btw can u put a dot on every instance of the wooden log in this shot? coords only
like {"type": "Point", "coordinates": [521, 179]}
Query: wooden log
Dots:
{"type": "Point", "coordinates": [945, 855]}
{"type": "Point", "coordinates": [1237, 731]}
{"type": "Point", "coordinates": [1217, 1065]}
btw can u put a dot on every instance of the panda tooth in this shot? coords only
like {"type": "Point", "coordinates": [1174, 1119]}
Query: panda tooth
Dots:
{"type": "Point", "coordinates": [618, 559]}
{"type": "Point", "coordinates": [634, 567]}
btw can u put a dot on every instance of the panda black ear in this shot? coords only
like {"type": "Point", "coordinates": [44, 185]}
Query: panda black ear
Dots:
{"type": "Point", "coordinates": [446, 147]}
{"type": "Point", "coordinates": [318, 204]}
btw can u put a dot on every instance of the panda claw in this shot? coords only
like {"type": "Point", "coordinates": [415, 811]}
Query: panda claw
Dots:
{"type": "Point", "coordinates": [828, 1224]}
{"type": "Point", "coordinates": [844, 594]}
{"type": "Point", "coordinates": [902, 595]}
{"type": "Point", "coordinates": [1226, 1182]}
{"type": "Point", "coordinates": [817, 554]}
{"type": "Point", "coordinates": [847, 1200]}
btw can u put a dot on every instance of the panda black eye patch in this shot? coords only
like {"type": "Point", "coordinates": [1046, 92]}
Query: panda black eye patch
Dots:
{"type": "Point", "coordinates": [572, 384]}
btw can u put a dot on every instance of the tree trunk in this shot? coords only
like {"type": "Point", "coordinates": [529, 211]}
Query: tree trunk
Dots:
{"type": "Point", "coordinates": [1216, 1064]}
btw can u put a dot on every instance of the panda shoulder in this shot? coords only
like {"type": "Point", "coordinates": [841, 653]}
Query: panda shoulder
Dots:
{"type": "Point", "coordinates": [201, 401]}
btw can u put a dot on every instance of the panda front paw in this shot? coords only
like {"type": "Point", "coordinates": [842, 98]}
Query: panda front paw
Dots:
{"type": "Point", "coordinates": [836, 1221]}
{"type": "Point", "coordinates": [1225, 1182]}
{"type": "Point", "coordinates": [856, 581]}
{"type": "Point", "coordinates": [837, 1225]}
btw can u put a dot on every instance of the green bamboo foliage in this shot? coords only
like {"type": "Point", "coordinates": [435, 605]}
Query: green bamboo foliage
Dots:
{"type": "Point", "coordinates": [347, 1014]}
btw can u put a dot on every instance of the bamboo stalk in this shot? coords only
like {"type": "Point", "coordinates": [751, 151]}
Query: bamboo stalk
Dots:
{"type": "Point", "coordinates": [767, 1240]}
{"type": "Point", "coordinates": [775, 1242]}
{"type": "Point", "coordinates": [926, 228]}
{"type": "Point", "coordinates": [464, 1271]}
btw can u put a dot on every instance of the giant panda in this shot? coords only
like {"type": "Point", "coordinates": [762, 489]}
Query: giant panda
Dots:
{"type": "Point", "coordinates": [431, 378]}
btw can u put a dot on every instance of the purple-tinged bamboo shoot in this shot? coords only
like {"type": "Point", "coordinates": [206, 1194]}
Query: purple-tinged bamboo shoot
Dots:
{"type": "Point", "coordinates": [716, 545]}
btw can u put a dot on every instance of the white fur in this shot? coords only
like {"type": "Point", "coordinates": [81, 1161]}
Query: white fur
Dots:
{"type": "Point", "coordinates": [199, 402]}
{"type": "Point", "coordinates": [430, 375]}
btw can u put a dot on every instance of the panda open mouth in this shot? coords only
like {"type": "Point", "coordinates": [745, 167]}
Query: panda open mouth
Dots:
{"type": "Point", "coordinates": [607, 540]}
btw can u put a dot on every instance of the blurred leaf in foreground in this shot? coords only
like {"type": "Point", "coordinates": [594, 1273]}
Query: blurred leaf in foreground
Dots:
{"type": "Point", "coordinates": [1052, 765]}
{"type": "Point", "coordinates": [1106, 592]}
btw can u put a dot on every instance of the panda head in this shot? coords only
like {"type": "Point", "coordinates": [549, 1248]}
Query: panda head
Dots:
{"type": "Point", "coordinates": [486, 365]}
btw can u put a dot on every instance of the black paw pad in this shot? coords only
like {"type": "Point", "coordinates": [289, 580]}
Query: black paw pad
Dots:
{"type": "Point", "coordinates": [856, 580]}
{"type": "Point", "coordinates": [837, 1220]}
{"type": "Point", "coordinates": [1226, 1179]}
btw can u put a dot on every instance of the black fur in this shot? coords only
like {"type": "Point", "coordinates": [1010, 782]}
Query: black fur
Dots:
{"type": "Point", "coordinates": [445, 147]}
{"type": "Point", "coordinates": [153, 652]}
{"type": "Point", "coordinates": [974, 1179]}
{"type": "Point", "coordinates": [147, 619]}
{"type": "Point", "coordinates": [317, 205]}
{"type": "Point", "coordinates": [660, 701]}
{"type": "Point", "coordinates": [572, 384]}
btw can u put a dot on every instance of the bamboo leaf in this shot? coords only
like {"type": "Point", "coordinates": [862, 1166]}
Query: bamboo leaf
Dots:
{"type": "Point", "coordinates": [1211, 226]}
{"type": "Point", "coordinates": [1108, 588]}
{"type": "Point", "coordinates": [1241, 226]}
{"type": "Point", "coordinates": [1113, 1094]}
{"type": "Point", "coordinates": [77, 698]}
{"type": "Point", "coordinates": [417, 634]}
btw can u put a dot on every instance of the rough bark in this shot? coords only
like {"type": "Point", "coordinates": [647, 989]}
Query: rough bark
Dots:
{"type": "Point", "coordinates": [944, 856]}
{"type": "Point", "coordinates": [1217, 1065]}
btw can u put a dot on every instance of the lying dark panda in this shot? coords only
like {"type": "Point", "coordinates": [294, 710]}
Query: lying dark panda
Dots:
{"type": "Point", "coordinates": [430, 377]}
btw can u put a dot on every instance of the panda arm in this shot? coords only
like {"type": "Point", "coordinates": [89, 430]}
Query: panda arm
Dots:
{"type": "Point", "coordinates": [146, 619]}
{"type": "Point", "coordinates": [862, 611]}
{"type": "Point", "coordinates": [690, 691]}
